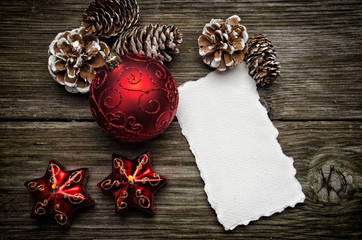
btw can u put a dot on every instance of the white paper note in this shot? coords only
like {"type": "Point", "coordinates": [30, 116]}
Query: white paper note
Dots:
{"type": "Point", "coordinates": [246, 174]}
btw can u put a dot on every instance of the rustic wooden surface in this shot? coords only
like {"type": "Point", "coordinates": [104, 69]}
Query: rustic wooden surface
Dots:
{"type": "Point", "coordinates": [316, 106]}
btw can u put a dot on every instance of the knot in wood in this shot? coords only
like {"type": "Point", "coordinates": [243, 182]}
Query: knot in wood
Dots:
{"type": "Point", "coordinates": [330, 179]}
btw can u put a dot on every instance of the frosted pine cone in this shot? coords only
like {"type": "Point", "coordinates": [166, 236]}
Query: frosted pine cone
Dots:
{"type": "Point", "coordinates": [107, 18]}
{"type": "Point", "coordinates": [74, 57]}
{"type": "Point", "coordinates": [223, 43]}
{"type": "Point", "coordinates": [156, 41]}
{"type": "Point", "coordinates": [261, 60]}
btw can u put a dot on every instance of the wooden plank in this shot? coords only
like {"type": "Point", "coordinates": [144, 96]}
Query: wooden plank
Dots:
{"type": "Point", "coordinates": [318, 43]}
{"type": "Point", "coordinates": [182, 210]}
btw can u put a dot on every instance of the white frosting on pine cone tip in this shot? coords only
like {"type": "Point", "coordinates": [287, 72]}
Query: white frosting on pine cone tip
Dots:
{"type": "Point", "coordinates": [204, 52]}
{"type": "Point", "coordinates": [62, 41]}
{"type": "Point", "coordinates": [245, 35]}
{"type": "Point", "coordinates": [70, 85]}
{"type": "Point", "coordinates": [51, 47]}
{"type": "Point", "coordinates": [205, 60]}
{"type": "Point", "coordinates": [225, 36]}
{"type": "Point", "coordinates": [163, 37]}
{"type": "Point", "coordinates": [79, 62]}
{"type": "Point", "coordinates": [75, 31]}
{"type": "Point", "coordinates": [76, 45]}
{"type": "Point", "coordinates": [51, 64]}
{"type": "Point", "coordinates": [94, 46]}
{"type": "Point", "coordinates": [243, 44]}
{"type": "Point", "coordinates": [215, 63]}
{"type": "Point", "coordinates": [230, 63]}
{"type": "Point", "coordinates": [228, 28]}
{"type": "Point", "coordinates": [232, 49]}
{"type": "Point", "coordinates": [71, 89]}
{"type": "Point", "coordinates": [58, 36]}
{"type": "Point", "coordinates": [217, 59]}
{"type": "Point", "coordinates": [71, 75]}
{"type": "Point", "coordinates": [225, 45]}
{"type": "Point", "coordinates": [52, 73]}
{"type": "Point", "coordinates": [238, 19]}
{"type": "Point", "coordinates": [83, 90]}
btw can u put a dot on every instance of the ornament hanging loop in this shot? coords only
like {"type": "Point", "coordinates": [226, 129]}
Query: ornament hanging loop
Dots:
{"type": "Point", "coordinates": [112, 60]}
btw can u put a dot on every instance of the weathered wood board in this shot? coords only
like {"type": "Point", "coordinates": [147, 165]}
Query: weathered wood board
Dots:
{"type": "Point", "coordinates": [316, 106]}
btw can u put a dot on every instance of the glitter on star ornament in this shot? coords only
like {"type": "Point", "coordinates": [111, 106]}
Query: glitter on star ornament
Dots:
{"type": "Point", "coordinates": [59, 193]}
{"type": "Point", "coordinates": [132, 182]}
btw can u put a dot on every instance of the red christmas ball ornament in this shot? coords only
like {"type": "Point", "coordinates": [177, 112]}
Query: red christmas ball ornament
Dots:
{"type": "Point", "coordinates": [135, 101]}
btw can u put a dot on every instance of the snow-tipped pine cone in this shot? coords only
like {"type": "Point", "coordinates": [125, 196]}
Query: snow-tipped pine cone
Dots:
{"type": "Point", "coordinates": [74, 57]}
{"type": "Point", "coordinates": [222, 44]}
{"type": "Point", "coordinates": [156, 41]}
{"type": "Point", "coordinates": [261, 60]}
{"type": "Point", "coordinates": [106, 18]}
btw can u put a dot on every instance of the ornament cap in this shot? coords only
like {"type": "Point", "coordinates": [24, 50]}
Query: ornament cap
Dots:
{"type": "Point", "coordinates": [112, 60]}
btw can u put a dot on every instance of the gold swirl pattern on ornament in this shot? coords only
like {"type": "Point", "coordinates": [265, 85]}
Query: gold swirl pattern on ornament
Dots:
{"type": "Point", "coordinates": [170, 84]}
{"type": "Point", "coordinates": [33, 186]}
{"type": "Point", "coordinates": [133, 77]}
{"type": "Point", "coordinates": [77, 198]}
{"type": "Point", "coordinates": [118, 163]}
{"type": "Point", "coordinates": [163, 120]}
{"type": "Point", "coordinates": [143, 201]}
{"type": "Point", "coordinates": [100, 78]}
{"type": "Point", "coordinates": [172, 95]}
{"type": "Point", "coordinates": [75, 177]}
{"type": "Point", "coordinates": [142, 160]}
{"type": "Point", "coordinates": [39, 207]}
{"type": "Point", "coordinates": [158, 74]}
{"type": "Point", "coordinates": [172, 92]}
{"type": "Point", "coordinates": [116, 118]}
{"type": "Point", "coordinates": [152, 106]}
{"type": "Point", "coordinates": [157, 179]}
{"type": "Point", "coordinates": [54, 170]}
{"type": "Point", "coordinates": [120, 203]}
{"type": "Point", "coordinates": [108, 184]}
{"type": "Point", "coordinates": [108, 126]}
{"type": "Point", "coordinates": [60, 217]}
{"type": "Point", "coordinates": [108, 101]}
{"type": "Point", "coordinates": [132, 126]}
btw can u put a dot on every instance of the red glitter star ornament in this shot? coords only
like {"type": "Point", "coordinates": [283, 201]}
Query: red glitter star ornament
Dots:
{"type": "Point", "coordinates": [59, 193]}
{"type": "Point", "coordinates": [132, 182]}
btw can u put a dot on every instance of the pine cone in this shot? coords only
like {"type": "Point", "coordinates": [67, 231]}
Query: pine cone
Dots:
{"type": "Point", "coordinates": [223, 43]}
{"type": "Point", "coordinates": [74, 57]}
{"type": "Point", "coordinates": [155, 41]}
{"type": "Point", "coordinates": [107, 18]}
{"type": "Point", "coordinates": [260, 59]}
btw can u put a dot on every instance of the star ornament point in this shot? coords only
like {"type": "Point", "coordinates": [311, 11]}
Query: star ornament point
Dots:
{"type": "Point", "coordinates": [132, 182]}
{"type": "Point", "coordinates": [59, 193]}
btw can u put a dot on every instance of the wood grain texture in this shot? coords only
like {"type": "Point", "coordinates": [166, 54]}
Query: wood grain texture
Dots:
{"type": "Point", "coordinates": [318, 45]}
{"type": "Point", "coordinates": [182, 210]}
{"type": "Point", "coordinates": [316, 106]}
